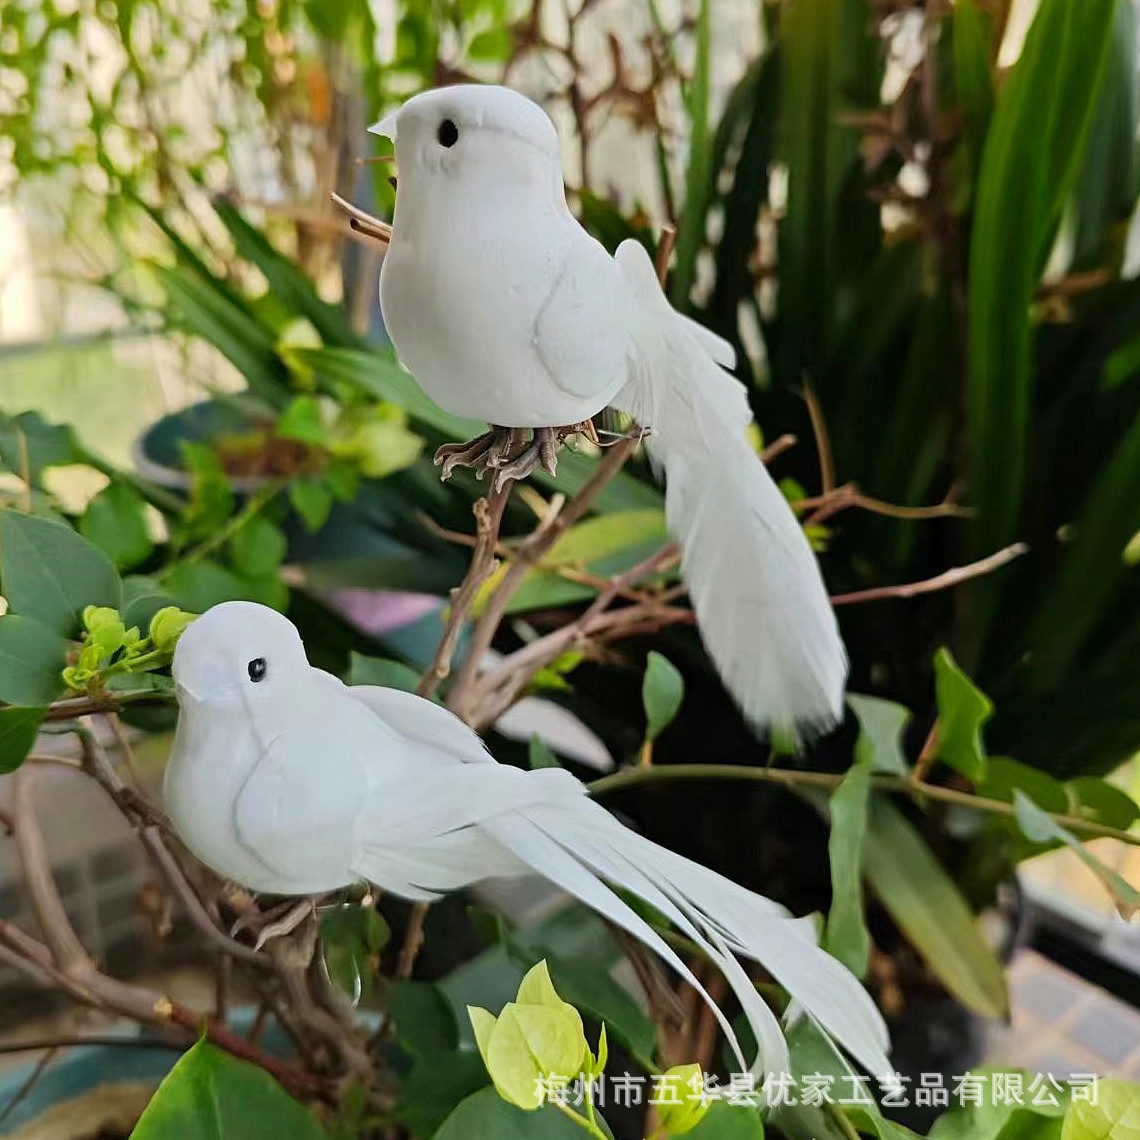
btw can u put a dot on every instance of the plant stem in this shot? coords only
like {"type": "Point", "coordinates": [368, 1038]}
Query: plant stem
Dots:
{"type": "Point", "coordinates": [579, 1119]}
{"type": "Point", "coordinates": [631, 777]}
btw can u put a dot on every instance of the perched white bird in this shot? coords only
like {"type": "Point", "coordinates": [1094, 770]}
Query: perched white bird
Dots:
{"type": "Point", "coordinates": [505, 310]}
{"type": "Point", "coordinates": [287, 781]}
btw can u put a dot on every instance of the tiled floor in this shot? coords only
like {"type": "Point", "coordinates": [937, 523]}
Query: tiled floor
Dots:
{"type": "Point", "coordinates": [1063, 1025]}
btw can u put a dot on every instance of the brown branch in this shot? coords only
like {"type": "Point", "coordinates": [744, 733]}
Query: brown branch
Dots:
{"type": "Point", "coordinates": [944, 581]}
{"type": "Point", "coordinates": [488, 518]}
{"type": "Point", "coordinates": [822, 439]}
{"type": "Point", "coordinates": [528, 555]}
{"type": "Point", "coordinates": [849, 495]}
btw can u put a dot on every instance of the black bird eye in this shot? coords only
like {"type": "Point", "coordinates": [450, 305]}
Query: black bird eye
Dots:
{"type": "Point", "coordinates": [448, 133]}
{"type": "Point", "coordinates": [257, 669]}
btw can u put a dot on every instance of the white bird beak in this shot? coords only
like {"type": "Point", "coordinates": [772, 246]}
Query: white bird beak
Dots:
{"type": "Point", "coordinates": [386, 127]}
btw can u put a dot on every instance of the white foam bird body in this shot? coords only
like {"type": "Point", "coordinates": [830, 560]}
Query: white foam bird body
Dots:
{"type": "Point", "coordinates": [287, 781]}
{"type": "Point", "coordinates": [505, 310]}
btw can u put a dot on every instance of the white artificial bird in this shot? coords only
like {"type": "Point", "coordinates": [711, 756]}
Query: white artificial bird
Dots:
{"type": "Point", "coordinates": [285, 780]}
{"type": "Point", "coordinates": [505, 310]}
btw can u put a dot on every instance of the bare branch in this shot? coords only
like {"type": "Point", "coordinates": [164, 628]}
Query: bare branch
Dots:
{"type": "Point", "coordinates": [944, 581]}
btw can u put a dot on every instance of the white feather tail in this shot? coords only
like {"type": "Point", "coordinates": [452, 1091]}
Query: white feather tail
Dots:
{"type": "Point", "coordinates": [577, 844]}
{"type": "Point", "coordinates": [761, 604]}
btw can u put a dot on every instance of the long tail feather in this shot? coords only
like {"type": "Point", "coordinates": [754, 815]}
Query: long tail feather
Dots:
{"type": "Point", "coordinates": [761, 604]}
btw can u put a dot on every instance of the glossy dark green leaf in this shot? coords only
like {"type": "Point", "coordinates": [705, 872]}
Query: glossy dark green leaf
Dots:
{"type": "Point", "coordinates": [662, 691]}
{"type": "Point", "coordinates": [425, 1021]}
{"type": "Point", "coordinates": [18, 729]}
{"type": "Point", "coordinates": [31, 659]}
{"type": "Point", "coordinates": [729, 1122]}
{"type": "Point", "coordinates": [435, 1087]}
{"type": "Point", "coordinates": [382, 671]}
{"type": "Point", "coordinates": [931, 912]}
{"type": "Point", "coordinates": [115, 522]}
{"type": "Point", "coordinates": [209, 1095]}
{"type": "Point", "coordinates": [962, 710]}
{"type": "Point", "coordinates": [50, 573]}
{"type": "Point", "coordinates": [486, 1116]}
{"type": "Point", "coordinates": [1032, 150]}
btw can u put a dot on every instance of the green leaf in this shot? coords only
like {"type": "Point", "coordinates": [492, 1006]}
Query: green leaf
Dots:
{"type": "Point", "coordinates": [597, 995]}
{"type": "Point", "coordinates": [1100, 801]}
{"type": "Point", "coordinates": [115, 522]}
{"type": "Point", "coordinates": [435, 1087]}
{"type": "Point", "coordinates": [699, 183]}
{"type": "Point", "coordinates": [312, 500]}
{"type": "Point", "coordinates": [1005, 777]}
{"type": "Point", "coordinates": [258, 548]}
{"type": "Point", "coordinates": [203, 307]}
{"type": "Point", "coordinates": [31, 660]}
{"type": "Point", "coordinates": [881, 726]}
{"type": "Point", "coordinates": [425, 1021]}
{"type": "Point", "coordinates": [352, 937]}
{"type": "Point", "coordinates": [962, 710]}
{"type": "Point", "coordinates": [49, 573]}
{"type": "Point", "coordinates": [484, 1116]}
{"type": "Point", "coordinates": [301, 420]}
{"type": "Point", "coordinates": [382, 671]}
{"type": "Point", "coordinates": [1034, 146]}
{"type": "Point", "coordinates": [993, 1120]}
{"type": "Point", "coordinates": [930, 910]}
{"type": "Point", "coordinates": [196, 586]}
{"type": "Point", "coordinates": [538, 755]}
{"type": "Point", "coordinates": [18, 729]}
{"type": "Point", "coordinates": [28, 444]}
{"type": "Point", "coordinates": [662, 691]}
{"type": "Point", "coordinates": [1041, 827]}
{"type": "Point", "coordinates": [143, 597]}
{"type": "Point", "coordinates": [1115, 1116]}
{"type": "Point", "coordinates": [729, 1122]}
{"type": "Point", "coordinates": [973, 51]}
{"type": "Point", "coordinates": [846, 936]}
{"type": "Point", "coordinates": [209, 1095]}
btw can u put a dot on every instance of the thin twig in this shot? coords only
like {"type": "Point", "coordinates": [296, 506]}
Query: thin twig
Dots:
{"type": "Point", "coordinates": [943, 581]}
{"type": "Point", "coordinates": [828, 781]}
{"type": "Point", "coordinates": [848, 495]}
{"type": "Point", "coordinates": [822, 439]}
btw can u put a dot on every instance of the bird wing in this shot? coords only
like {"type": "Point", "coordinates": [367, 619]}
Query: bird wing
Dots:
{"type": "Point", "coordinates": [580, 332]}
{"type": "Point", "coordinates": [299, 814]}
{"type": "Point", "coordinates": [423, 722]}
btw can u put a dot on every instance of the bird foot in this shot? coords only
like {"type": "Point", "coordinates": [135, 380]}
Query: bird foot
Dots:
{"type": "Point", "coordinates": [273, 923]}
{"type": "Point", "coordinates": [487, 450]}
{"type": "Point", "coordinates": [542, 451]}
{"type": "Point", "coordinates": [286, 924]}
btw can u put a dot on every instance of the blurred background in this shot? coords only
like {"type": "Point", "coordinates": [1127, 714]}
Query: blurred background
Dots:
{"type": "Point", "coordinates": [917, 222]}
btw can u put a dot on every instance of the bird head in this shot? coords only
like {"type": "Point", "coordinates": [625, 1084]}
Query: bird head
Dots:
{"type": "Point", "coordinates": [472, 130]}
{"type": "Point", "coordinates": [237, 651]}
